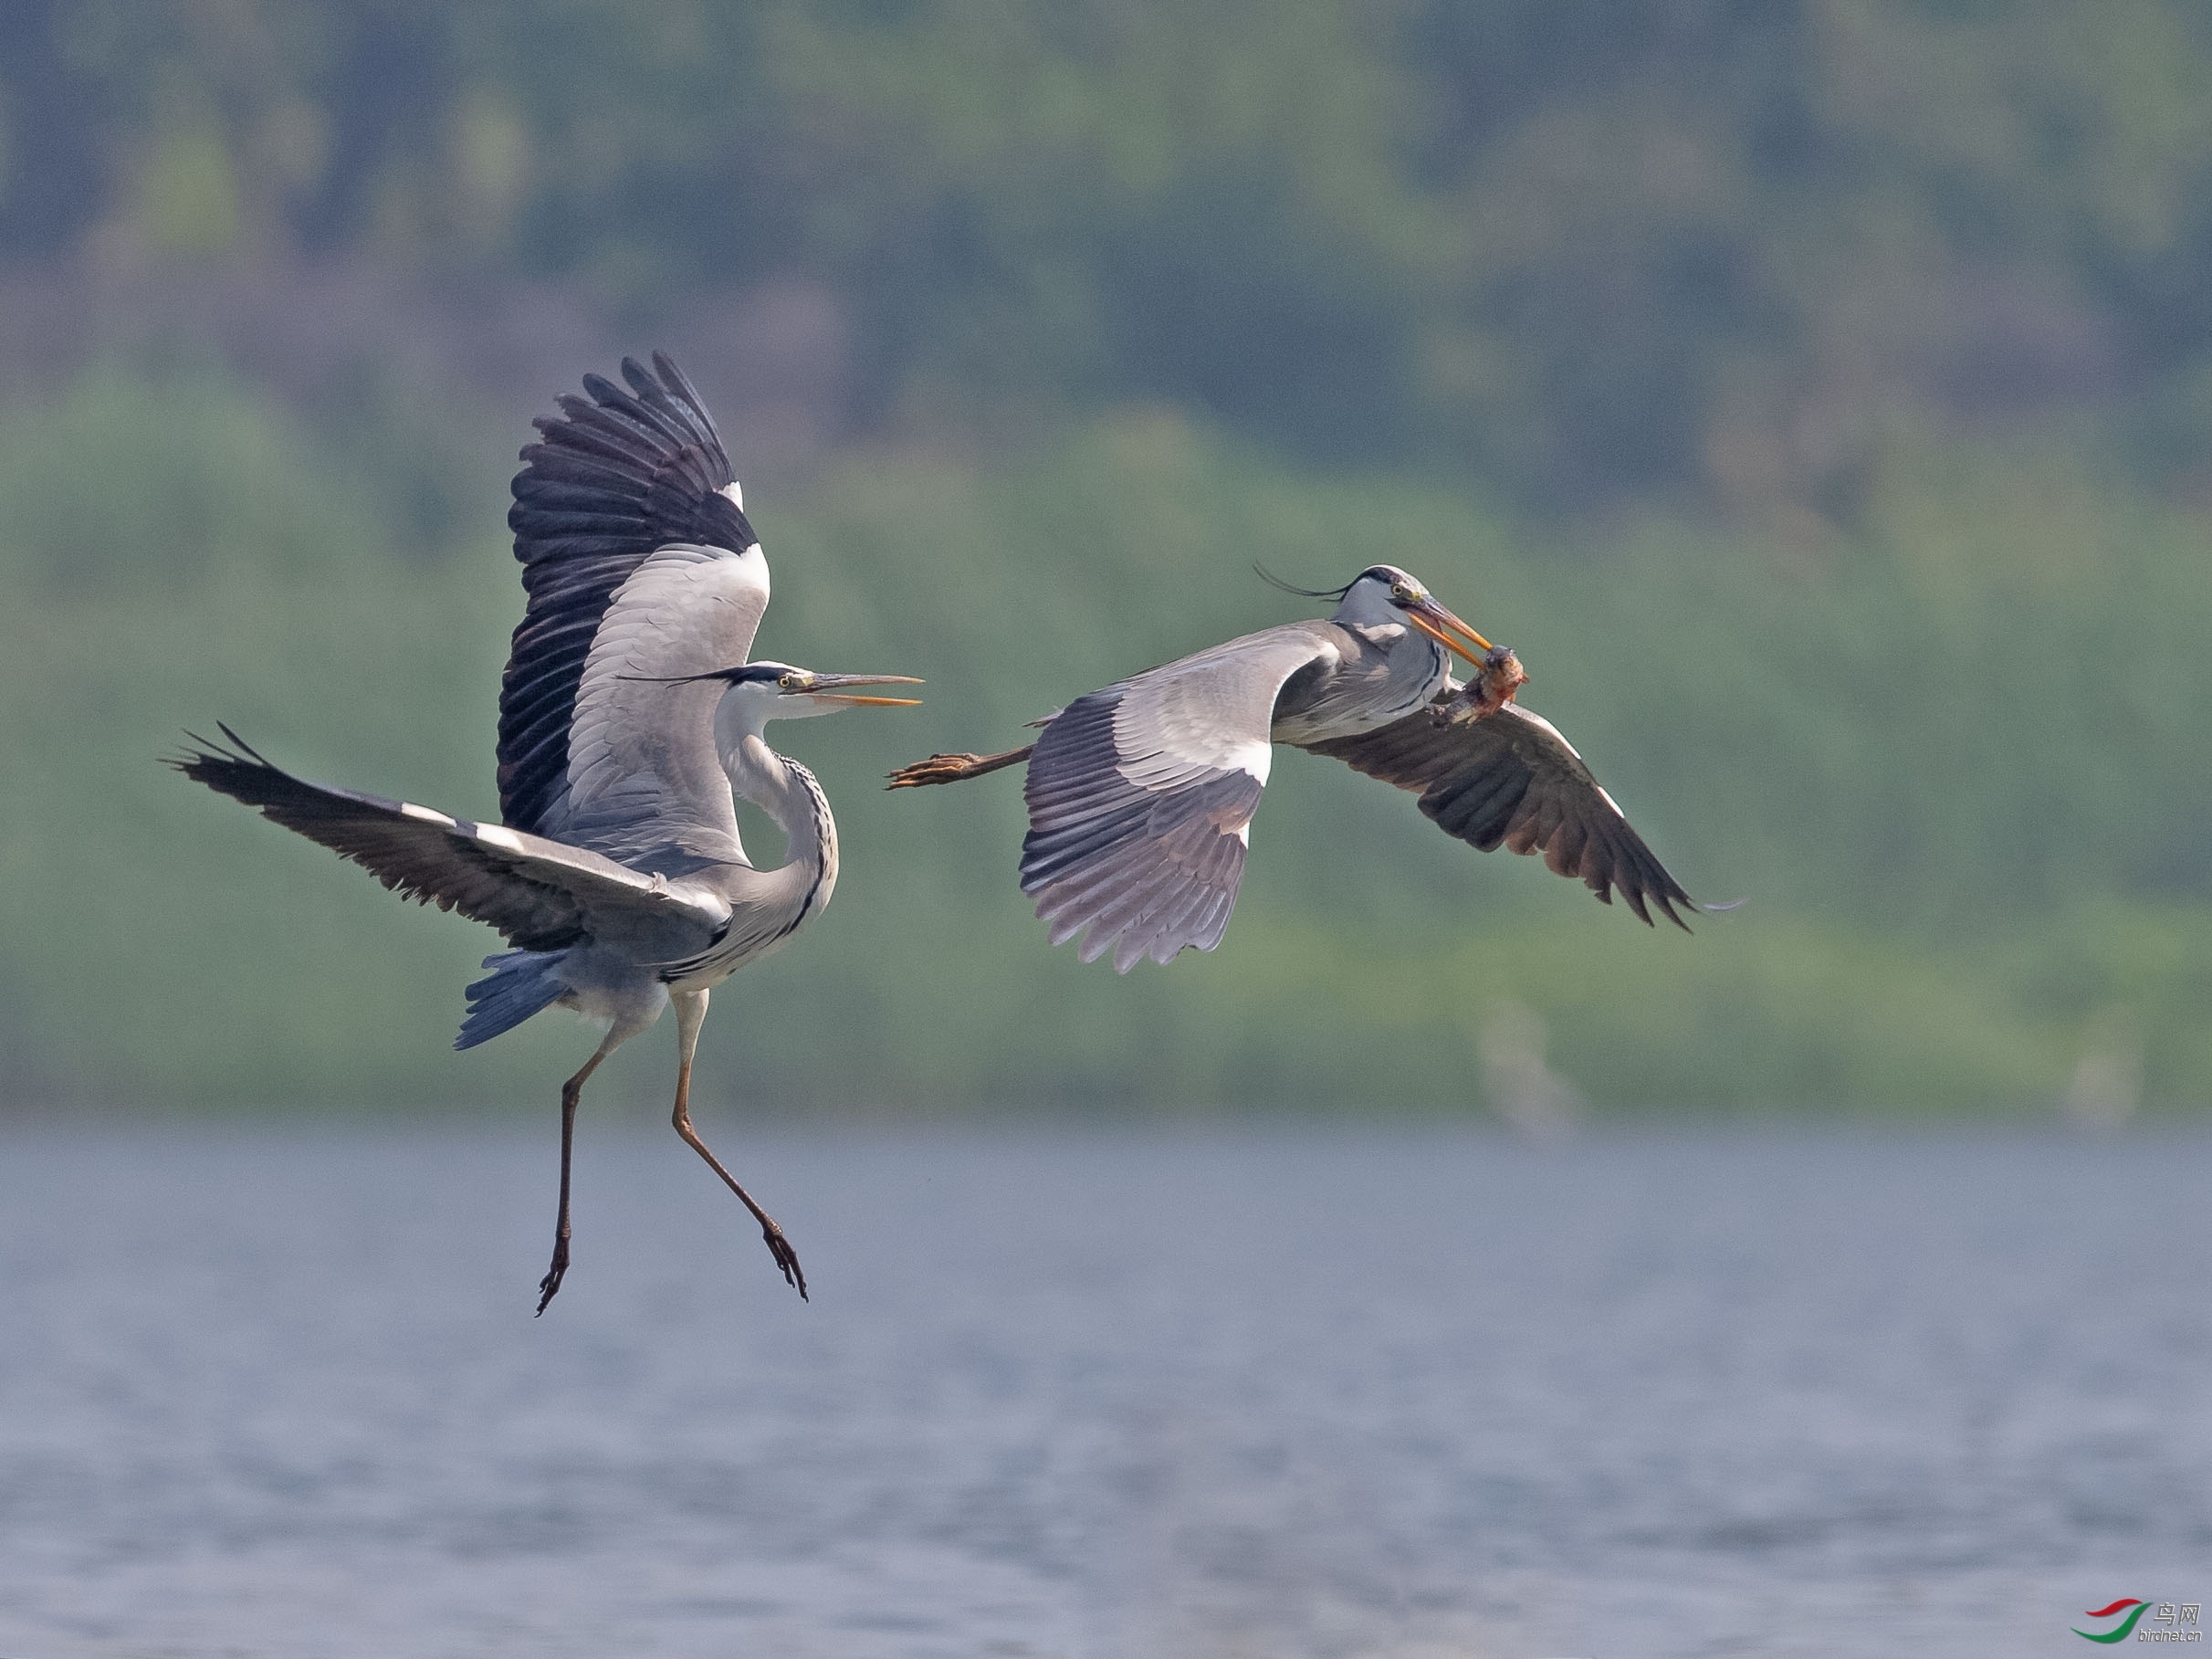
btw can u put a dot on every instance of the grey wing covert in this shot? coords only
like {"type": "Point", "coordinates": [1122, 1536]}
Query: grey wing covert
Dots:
{"type": "Point", "coordinates": [1141, 797]}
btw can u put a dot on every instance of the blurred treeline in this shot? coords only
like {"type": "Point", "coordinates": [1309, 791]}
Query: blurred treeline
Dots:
{"type": "Point", "coordinates": [1817, 394]}
{"type": "Point", "coordinates": [1582, 249]}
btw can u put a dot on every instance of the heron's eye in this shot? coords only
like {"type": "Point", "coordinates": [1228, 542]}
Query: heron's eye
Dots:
{"type": "Point", "coordinates": [1401, 593]}
{"type": "Point", "coordinates": [792, 682]}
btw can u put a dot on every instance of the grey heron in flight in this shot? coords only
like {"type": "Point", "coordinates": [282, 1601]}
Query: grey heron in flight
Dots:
{"type": "Point", "coordinates": [628, 716]}
{"type": "Point", "coordinates": [1141, 794]}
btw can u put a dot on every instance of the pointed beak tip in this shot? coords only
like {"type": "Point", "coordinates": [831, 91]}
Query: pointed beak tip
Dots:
{"type": "Point", "coordinates": [888, 680]}
{"type": "Point", "coordinates": [830, 688]}
{"type": "Point", "coordinates": [1441, 624]}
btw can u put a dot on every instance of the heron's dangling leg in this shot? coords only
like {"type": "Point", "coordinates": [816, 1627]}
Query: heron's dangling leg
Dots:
{"type": "Point", "coordinates": [571, 1093]}
{"type": "Point", "coordinates": [690, 1014]}
{"type": "Point", "coordinates": [953, 768]}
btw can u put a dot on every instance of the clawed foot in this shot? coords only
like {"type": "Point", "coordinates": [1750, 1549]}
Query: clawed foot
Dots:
{"type": "Point", "coordinates": [952, 768]}
{"type": "Point", "coordinates": [786, 1257]}
{"type": "Point", "coordinates": [937, 769]}
{"type": "Point", "coordinates": [551, 1283]}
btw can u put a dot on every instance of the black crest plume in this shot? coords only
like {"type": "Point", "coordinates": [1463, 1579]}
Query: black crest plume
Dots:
{"type": "Point", "coordinates": [1274, 580]}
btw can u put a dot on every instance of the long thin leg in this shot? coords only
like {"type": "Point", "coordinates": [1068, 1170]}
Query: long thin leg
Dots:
{"type": "Point", "coordinates": [953, 768]}
{"type": "Point", "coordinates": [691, 1014]}
{"type": "Point", "coordinates": [571, 1093]}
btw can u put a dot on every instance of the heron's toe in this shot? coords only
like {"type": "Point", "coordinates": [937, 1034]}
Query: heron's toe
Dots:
{"type": "Point", "coordinates": [551, 1283]}
{"type": "Point", "coordinates": [937, 769]}
{"type": "Point", "coordinates": [786, 1257]}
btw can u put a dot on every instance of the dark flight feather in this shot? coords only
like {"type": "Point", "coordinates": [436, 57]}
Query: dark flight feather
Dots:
{"type": "Point", "coordinates": [540, 895]}
{"type": "Point", "coordinates": [614, 477]}
{"type": "Point", "coordinates": [1510, 780]}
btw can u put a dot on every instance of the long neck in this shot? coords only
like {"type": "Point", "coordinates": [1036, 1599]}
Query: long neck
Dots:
{"type": "Point", "coordinates": [788, 793]}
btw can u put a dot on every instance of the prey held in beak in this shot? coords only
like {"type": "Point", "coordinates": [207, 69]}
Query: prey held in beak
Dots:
{"type": "Point", "coordinates": [1439, 624]}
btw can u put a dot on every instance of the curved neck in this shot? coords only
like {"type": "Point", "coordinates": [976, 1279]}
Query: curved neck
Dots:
{"type": "Point", "coordinates": [788, 793]}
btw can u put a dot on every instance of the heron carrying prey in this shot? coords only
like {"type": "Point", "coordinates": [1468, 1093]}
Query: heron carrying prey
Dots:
{"type": "Point", "coordinates": [628, 716]}
{"type": "Point", "coordinates": [1141, 794]}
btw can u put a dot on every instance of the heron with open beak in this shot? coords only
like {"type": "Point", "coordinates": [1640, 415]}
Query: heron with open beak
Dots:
{"type": "Point", "coordinates": [1141, 793]}
{"type": "Point", "coordinates": [630, 719]}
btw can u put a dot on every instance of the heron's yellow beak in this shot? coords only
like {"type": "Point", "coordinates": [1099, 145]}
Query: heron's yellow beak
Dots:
{"type": "Point", "coordinates": [1432, 619]}
{"type": "Point", "coordinates": [828, 689]}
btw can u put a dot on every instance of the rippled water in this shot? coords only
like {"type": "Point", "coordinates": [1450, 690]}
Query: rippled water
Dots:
{"type": "Point", "coordinates": [1223, 1394]}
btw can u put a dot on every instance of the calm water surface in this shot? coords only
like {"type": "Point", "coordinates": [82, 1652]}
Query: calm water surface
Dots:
{"type": "Point", "coordinates": [1106, 1397]}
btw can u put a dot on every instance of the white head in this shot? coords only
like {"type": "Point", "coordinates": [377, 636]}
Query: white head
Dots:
{"type": "Point", "coordinates": [756, 693]}
{"type": "Point", "coordinates": [784, 693]}
{"type": "Point", "coordinates": [1382, 595]}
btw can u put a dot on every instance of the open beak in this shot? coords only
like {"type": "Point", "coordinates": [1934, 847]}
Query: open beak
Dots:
{"type": "Point", "coordinates": [830, 689]}
{"type": "Point", "coordinates": [1433, 620]}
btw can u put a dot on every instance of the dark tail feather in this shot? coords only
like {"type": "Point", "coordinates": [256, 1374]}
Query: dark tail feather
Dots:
{"type": "Point", "coordinates": [521, 983]}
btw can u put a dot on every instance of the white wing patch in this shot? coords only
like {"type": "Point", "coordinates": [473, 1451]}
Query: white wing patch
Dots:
{"type": "Point", "coordinates": [642, 761]}
{"type": "Point", "coordinates": [1165, 767]}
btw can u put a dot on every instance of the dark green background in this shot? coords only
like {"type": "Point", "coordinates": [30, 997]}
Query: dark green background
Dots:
{"type": "Point", "coordinates": [1817, 396]}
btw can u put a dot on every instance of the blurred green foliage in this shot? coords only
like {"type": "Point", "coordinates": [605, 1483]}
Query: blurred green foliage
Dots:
{"type": "Point", "coordinates": [1585, 250]}
{"type": "Point", "coordinates": [1817, 394]}
{"type": "Point", "coordinates": [1953, 762]}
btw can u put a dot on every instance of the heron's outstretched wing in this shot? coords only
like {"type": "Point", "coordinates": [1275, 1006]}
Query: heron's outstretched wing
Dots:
{"type": "Point", "coordinates": [638, 560]}
{"type": "Point", "coordinates": [1511, 780]}
{"type": "Point", "coordinates": [540, 894]}
{"type": "Point", "coordinates": [1140, 796]}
